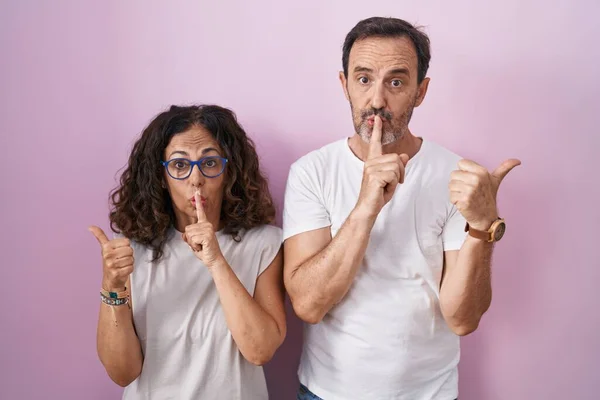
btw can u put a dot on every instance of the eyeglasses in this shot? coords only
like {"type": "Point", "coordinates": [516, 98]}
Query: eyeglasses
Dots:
{"type": "Point", "coordinates": [181, 168]}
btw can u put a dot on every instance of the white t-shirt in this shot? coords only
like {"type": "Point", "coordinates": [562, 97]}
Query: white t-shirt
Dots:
{"type": "Point", "coordinates": [387, 338]}
{"type": "Point", "coordinates": [189, 352]}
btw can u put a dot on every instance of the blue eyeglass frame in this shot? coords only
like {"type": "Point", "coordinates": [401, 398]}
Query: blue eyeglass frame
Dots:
{"type": "Point", "coordinates": [195, 163]}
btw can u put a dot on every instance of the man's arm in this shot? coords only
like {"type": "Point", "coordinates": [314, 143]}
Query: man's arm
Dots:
{"type": "Point", "coordinates": [319, 271]}
{"type": "Point", "coordinates": [466, 290]}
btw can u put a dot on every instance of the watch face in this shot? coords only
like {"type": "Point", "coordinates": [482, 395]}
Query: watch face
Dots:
{"type": "Point", "coordinates": [499, 232]}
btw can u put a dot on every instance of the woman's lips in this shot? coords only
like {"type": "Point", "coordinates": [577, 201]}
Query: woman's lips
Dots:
{"type": "Point", "coordinates": [202, 200]}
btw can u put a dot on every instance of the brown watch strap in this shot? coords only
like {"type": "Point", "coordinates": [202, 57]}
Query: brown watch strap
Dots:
{"type": "Point", "coordinates": [482, 235]}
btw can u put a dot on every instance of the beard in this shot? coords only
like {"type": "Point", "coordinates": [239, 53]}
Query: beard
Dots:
{"type": "Point", "coordinates": [393, 128]}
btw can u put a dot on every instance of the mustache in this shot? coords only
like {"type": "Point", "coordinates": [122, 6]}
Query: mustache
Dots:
{"type": "Point", "coordinates": [371, 113]}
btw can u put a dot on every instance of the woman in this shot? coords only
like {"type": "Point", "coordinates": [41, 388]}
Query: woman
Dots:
{"type": "Point", "coordinates": [192, 293]}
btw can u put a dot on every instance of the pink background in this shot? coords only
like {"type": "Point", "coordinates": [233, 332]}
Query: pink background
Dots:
{"type": "Point", "coordinates": [510, 78]}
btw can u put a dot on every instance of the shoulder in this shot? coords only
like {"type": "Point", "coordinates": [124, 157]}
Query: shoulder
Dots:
{"type": "Point", "coordinates": [441, 157]}
{"type": "Point", "coordinates": [260, 245]}
{"type": "Point", "coordinates": [317, 159]}
{"type": "Point", "coordinates": [434, 164]}
{"type": "Point", "coordinates": [433, 168]}
{"type": "Point", "coordinates": [263, 235]}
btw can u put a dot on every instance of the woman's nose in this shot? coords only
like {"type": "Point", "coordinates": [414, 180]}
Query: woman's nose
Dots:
{"type": "Point", "coordinates": [196, 177]}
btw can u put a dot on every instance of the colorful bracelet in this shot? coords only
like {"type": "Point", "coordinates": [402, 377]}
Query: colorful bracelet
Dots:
{"type": "Point", "coordinates": [115, 295]}
{"type": "Point", "coordinates": [114, 302]}
{"type": "Point", "coordinates": [113, 299]}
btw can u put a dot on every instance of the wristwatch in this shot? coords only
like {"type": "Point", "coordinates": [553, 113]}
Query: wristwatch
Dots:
{"type": "Point", "coordinates": [494, 234]}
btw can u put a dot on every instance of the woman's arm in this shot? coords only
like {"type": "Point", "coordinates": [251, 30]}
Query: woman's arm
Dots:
{"type": "Point", "coordinates": [257, 323]}
{"type": "Point", "coordinates": [117, 344]}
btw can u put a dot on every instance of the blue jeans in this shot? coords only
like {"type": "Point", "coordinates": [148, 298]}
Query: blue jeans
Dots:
{"type": "Point", "coordinates": [305, 394]}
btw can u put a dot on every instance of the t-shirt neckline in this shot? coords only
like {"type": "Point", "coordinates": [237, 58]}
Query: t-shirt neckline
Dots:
{"type": "Point", "coordinates": [357, 161]}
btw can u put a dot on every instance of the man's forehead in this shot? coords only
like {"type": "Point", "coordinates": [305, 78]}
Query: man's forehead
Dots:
{"type": "Point", "coordinates": [384, 53]}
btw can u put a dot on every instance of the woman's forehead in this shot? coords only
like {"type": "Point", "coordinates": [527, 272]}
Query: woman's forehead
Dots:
{"type": "Point", "coordinates": [193, 140]}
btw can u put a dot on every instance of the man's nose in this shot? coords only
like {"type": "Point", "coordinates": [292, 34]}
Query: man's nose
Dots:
{"type": "Point", "coordinates": [378, 100]}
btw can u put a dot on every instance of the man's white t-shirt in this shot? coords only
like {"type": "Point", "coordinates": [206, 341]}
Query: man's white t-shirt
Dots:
{"type": "Point", "coordinates": [387, 338]}
{"type": "Point", "coordinates": [189, 352]}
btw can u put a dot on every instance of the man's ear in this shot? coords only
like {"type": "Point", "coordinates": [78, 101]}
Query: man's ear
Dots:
{"type": "Point", "coordinates": [344, 83]}
{"type": "Point", "coordinates": [422, 91]}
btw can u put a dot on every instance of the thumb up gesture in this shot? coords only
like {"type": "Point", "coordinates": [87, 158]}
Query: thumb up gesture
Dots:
{"type": "Point", "coordinates": [473, 190]}
{"type": "Point", "coordinates": [117, 260]}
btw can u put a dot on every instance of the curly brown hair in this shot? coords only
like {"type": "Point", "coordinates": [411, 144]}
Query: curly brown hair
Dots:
{"type": "Point", "coordinates": [142, 209]}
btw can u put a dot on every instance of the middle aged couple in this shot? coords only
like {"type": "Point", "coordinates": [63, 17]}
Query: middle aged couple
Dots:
{"type": "Point", "coordinates": [385, 248]}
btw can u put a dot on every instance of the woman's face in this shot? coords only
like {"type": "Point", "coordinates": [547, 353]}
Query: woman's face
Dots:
{"type": "Point", "coordinates": [194, 144]}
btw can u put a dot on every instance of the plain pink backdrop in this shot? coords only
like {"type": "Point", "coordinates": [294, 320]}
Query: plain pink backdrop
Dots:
{"type": "Point", "coordinates": [513, 78]}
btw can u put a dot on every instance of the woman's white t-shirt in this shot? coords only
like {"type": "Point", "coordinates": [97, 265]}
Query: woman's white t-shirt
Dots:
{"type": "Point", "coordinates": [188, 350]}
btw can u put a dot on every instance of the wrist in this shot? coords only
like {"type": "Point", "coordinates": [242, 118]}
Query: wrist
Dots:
{"type": "Point", "coordinates": [484, 224]}
{"type": "Point", "coordinates": [363, 214]}
{"type": "Point", "coordinates": [113, 286]}
{"type": "Point", "coordinates": [218, 265]}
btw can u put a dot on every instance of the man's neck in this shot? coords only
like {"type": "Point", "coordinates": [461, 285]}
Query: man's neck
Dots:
{"type": "Point", "coordinates": [408, 144]}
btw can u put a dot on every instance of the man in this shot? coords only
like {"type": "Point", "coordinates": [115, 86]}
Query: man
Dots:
{"type": "Point", "coordinates": [377, 259]}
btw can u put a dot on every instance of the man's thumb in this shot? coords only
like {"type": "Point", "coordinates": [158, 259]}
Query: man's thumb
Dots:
{"type": "Point", "coordinates": [505, 168]}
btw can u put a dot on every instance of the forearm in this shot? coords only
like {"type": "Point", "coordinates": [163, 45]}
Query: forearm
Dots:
{"type": "Point", "coordinates": [466, 291]}
{"type": "Point", "coordinates": [322, 281]}
{"type": "Point", "coordinates": [255, 332]}
{"type": "Point", "coordinates": [118, 345]}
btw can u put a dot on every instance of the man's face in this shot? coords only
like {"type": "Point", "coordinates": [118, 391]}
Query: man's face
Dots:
{"type": "Point", "coordinates": [382, 79]}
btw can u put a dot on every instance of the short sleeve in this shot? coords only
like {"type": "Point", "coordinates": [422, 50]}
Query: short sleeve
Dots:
{"type": "Point", "coordinates": [304, 209]}
{"type": "Point", "coordinates": [453, 233]}
{"type": "Point", "coordinates": [271, 240]}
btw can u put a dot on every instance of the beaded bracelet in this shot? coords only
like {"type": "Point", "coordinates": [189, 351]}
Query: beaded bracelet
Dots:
{"type": "Point", "coordinates": [115, 295]}
{"type": "Point", "coordinates": [114, 302]}
{"type": "Point", "coordinates": [114, 299]}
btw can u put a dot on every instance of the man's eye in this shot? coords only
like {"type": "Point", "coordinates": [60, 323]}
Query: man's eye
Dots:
{"type": "Point", "coordinates": [364, 80]}
{"type": "Point", "coordinates": [396, 83]}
